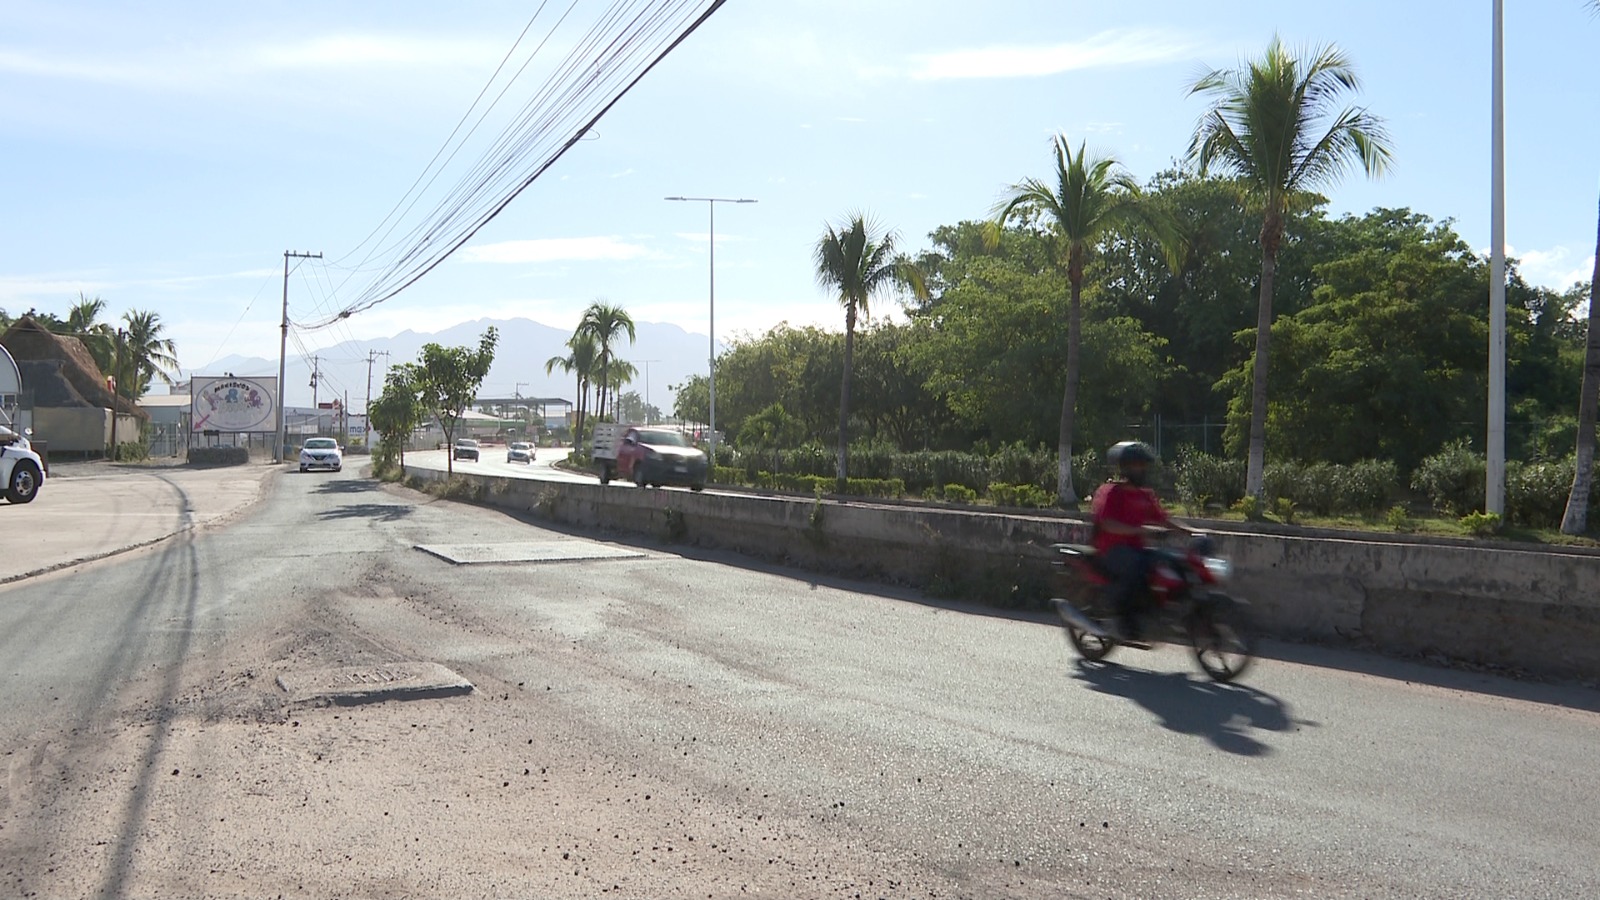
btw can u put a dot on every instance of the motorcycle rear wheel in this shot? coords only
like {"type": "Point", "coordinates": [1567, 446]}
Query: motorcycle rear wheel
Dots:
{"type": "Point", "coordinates": [1092, 647]}
{"type": "Point", "coordinates": [1222, 639]}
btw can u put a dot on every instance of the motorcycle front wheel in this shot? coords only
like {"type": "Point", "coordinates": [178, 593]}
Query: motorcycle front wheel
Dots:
{"type": "Point", "coordinates": [1222, 638]}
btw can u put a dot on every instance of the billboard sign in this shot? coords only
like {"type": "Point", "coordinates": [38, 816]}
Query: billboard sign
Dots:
{"type": "Point", "coordinates": [233, 405]}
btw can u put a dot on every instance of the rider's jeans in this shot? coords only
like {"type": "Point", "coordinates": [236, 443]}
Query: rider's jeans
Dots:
{"type": "Point", "coordinates": [1130, 570]}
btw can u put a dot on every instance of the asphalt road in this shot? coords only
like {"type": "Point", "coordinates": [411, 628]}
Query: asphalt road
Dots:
{"type": "Point", "coordinates": [676, 725]}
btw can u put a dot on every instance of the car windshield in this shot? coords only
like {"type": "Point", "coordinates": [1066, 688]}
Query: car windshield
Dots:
{"type": "Point", "coordinates": [322, 444]}
{"type": "Point", "coordinates": [519, 446]}
{"type": "Point", "coordinates": [466, 443]}
{"type": "Point", "coordinates": [662, 438]}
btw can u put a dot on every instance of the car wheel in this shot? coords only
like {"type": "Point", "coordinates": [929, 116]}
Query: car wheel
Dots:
{"type": "Point", "coordinates": [303, 469]}
{"type": "Point", "coordinates": [339, 468]}
{"type": "Point", "coordinates": [24, 484]}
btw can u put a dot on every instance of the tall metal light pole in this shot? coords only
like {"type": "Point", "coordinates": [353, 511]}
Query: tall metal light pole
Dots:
{"type": "Point", "coordinates": [711, 378]}
{"type": "Point", "coordinates": [647, 362]}
{"type": "Point", "coordinates": [1495, 485]}
{"type": "Point", "coordinates": [283, 347]}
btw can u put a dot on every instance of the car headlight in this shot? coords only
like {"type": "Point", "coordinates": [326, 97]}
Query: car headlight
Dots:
{"type": "Point", "coordinates": [1219, 568]}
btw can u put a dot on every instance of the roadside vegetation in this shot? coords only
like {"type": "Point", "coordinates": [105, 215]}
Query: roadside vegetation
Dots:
{"type": "Point", "coordinates": [1290, 365]}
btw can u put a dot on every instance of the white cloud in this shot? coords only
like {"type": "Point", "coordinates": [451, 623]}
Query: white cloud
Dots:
{"type": "Point", "coordinates": [623, 174]}
{"type": "Point", "coordinates": [545, 250]}
{"type": "Point", "coordinates": [368, 49]}
{"type": "Point", "coordinates": [1557, 267]}
{"type": "Point", "coordinates": [1104, 50]}
{"type": "Point", "coordinates": [224, 66]}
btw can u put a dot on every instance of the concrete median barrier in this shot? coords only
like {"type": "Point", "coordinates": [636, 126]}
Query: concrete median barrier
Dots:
{"type": "Point", "coordinates": [1536, 609]}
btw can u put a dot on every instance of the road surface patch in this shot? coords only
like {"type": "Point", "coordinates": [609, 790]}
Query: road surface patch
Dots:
{"type": "Point", "coordinates": [526, 552]}
{"type": "Point", "coordinates": [352, 685]}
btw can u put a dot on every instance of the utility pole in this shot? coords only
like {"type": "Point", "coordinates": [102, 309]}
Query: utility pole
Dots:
{"type": "Point", "coordinates": [372, 356]}
{"type": "Point", "coordinates": [316, 409]}
{"type": "Point", "coordinates": [116, 391]}
{"type": "Point", "coordinates": [283, 347]}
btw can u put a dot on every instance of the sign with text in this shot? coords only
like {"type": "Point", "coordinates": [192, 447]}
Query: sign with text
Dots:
{"type": "Point", "coordinates": [233, 405]}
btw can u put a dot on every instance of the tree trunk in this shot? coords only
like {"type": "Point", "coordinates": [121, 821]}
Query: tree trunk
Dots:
{"type": "Point", "coordinates": [844, 393]}
{"type": "Point", "coordinates": [1255, 470]}
{"type": "Point", "coordinates": [449, 450]}
{"type": "Point", "coordinates": [1576, 520]}
{"type": "Point", "coordinates": [1066, 493]}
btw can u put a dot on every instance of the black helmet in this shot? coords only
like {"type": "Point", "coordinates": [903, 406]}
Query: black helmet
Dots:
{"type": "Point", "coordinates": [1130, 453]}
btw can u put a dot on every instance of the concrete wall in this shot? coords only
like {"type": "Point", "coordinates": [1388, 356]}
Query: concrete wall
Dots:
{"type": "Point", "coordinates": [72, 430]}
{"type": "Point", "coordinates": [1536, 609]}
{"type": "Point", "coordinates": [81, 430]}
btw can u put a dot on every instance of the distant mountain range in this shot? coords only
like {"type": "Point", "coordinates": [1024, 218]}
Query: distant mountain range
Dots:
{"type": "Point", "coordinates": [524, 347]}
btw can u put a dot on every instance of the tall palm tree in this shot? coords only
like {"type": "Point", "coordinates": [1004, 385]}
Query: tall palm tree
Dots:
{"type": "Point", "coordinates": [83, 322]}
{"type": "Point", "coordinates": [1086, 197]}
{"type": "Point", "coordinates": [1278, 125]}
{"type": "Point", "coordinates": [856, 260]}
{"type": "Point", "coordinates": [1576, 519]}
{"type": "Point", "coordinates": [581, 359]}
{"type": "Point", "coordinates": [146, 355]}
{"type": "Point", "coordinates": [606, 323]}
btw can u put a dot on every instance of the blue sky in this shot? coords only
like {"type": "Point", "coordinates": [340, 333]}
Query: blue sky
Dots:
{"type": "Point", "coordinates": [164, 155]}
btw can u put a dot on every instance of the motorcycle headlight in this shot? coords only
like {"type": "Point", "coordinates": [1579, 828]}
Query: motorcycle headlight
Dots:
{"type": "Point", "coordinates": [1219, 568]}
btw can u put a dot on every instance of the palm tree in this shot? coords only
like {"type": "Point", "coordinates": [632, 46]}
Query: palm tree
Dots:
{"type": "Point", "coordinates": [580, 360]}
{"type": "Point", "coordinates": [146, 355]}
{"type": "Point", "coordinates": [83, 322]}
{"type": "Point", "coordinates": [1277, 124]}
{"type": "Point", "coordinates": [1576, 519]}
{"type": "Point", "coordinates": [618, 374]}
{"type": "Point", "coordinates": [1085, 198]}
{"type": "Point", "coordinates": [605, 323]}
{"type": "Point", "coordinates": [856, 259]}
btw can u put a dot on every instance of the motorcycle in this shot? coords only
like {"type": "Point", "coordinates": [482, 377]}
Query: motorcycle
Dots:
{"type": "Point", "coordinates": [1185, 603]}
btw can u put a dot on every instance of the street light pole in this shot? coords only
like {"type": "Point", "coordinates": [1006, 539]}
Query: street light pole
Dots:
{"type": "Point", "coordinates": [711, 363]}
{"type": "Point", "coordinates": [1495, 486]}
{"type": "Point", "coordinates": [648, 419]}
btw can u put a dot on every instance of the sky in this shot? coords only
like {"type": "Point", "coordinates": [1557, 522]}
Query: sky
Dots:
{"type": "Point", "coordinates": [164, 155]}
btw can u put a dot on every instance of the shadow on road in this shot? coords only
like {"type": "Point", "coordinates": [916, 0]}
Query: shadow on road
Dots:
{"type": "Point", "coordinates": [1223, 714]}
{"type": "Point", "coordinates": [379, 512]}
{"type": "Point", "coordinates": [347, 486]}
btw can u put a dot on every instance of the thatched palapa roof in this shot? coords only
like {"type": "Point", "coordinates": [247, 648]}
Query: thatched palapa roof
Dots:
{"type": "Point", "coordinates": [60, 370]}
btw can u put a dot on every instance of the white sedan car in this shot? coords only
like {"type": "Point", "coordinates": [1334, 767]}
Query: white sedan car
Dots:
{"type": "Point", "coordinates": [321, 453]}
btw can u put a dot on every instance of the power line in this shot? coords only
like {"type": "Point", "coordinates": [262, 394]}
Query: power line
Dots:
{"type": "Point", "coordinates": [619, 50]}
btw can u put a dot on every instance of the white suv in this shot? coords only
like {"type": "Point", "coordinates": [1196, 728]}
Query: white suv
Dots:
{"type": "Point", "coordinates": [21, 469]}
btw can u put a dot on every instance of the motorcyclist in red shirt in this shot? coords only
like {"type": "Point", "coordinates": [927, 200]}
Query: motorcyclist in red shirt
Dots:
{"type": "Point", "coordinates": [1125, 511]}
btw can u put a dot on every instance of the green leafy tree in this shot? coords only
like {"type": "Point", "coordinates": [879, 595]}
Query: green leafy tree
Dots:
{"type": "Point", "coordinates": [447, 380]}
{"type": "Point", "coordinates": [691, 401]}
{"type": "Point", "coordinates": [856, 260]}
{"type": "Point", "coordinates": [147, 356]}
{"type": "Point", "coordinates": [997, 338]}
{"type": "Point", "coordinates": [606, 323]}
{"type": "Point", "coordinates": [1576, 518]}
{"type": "Point", "coordinates": [1085, 197]}
{"type": "Point", "coordinates": [1278, 125]}
{"type": "Point", "coordinates": [769, 431]}
{"type": "Point", "coordinates": [395, 414]}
